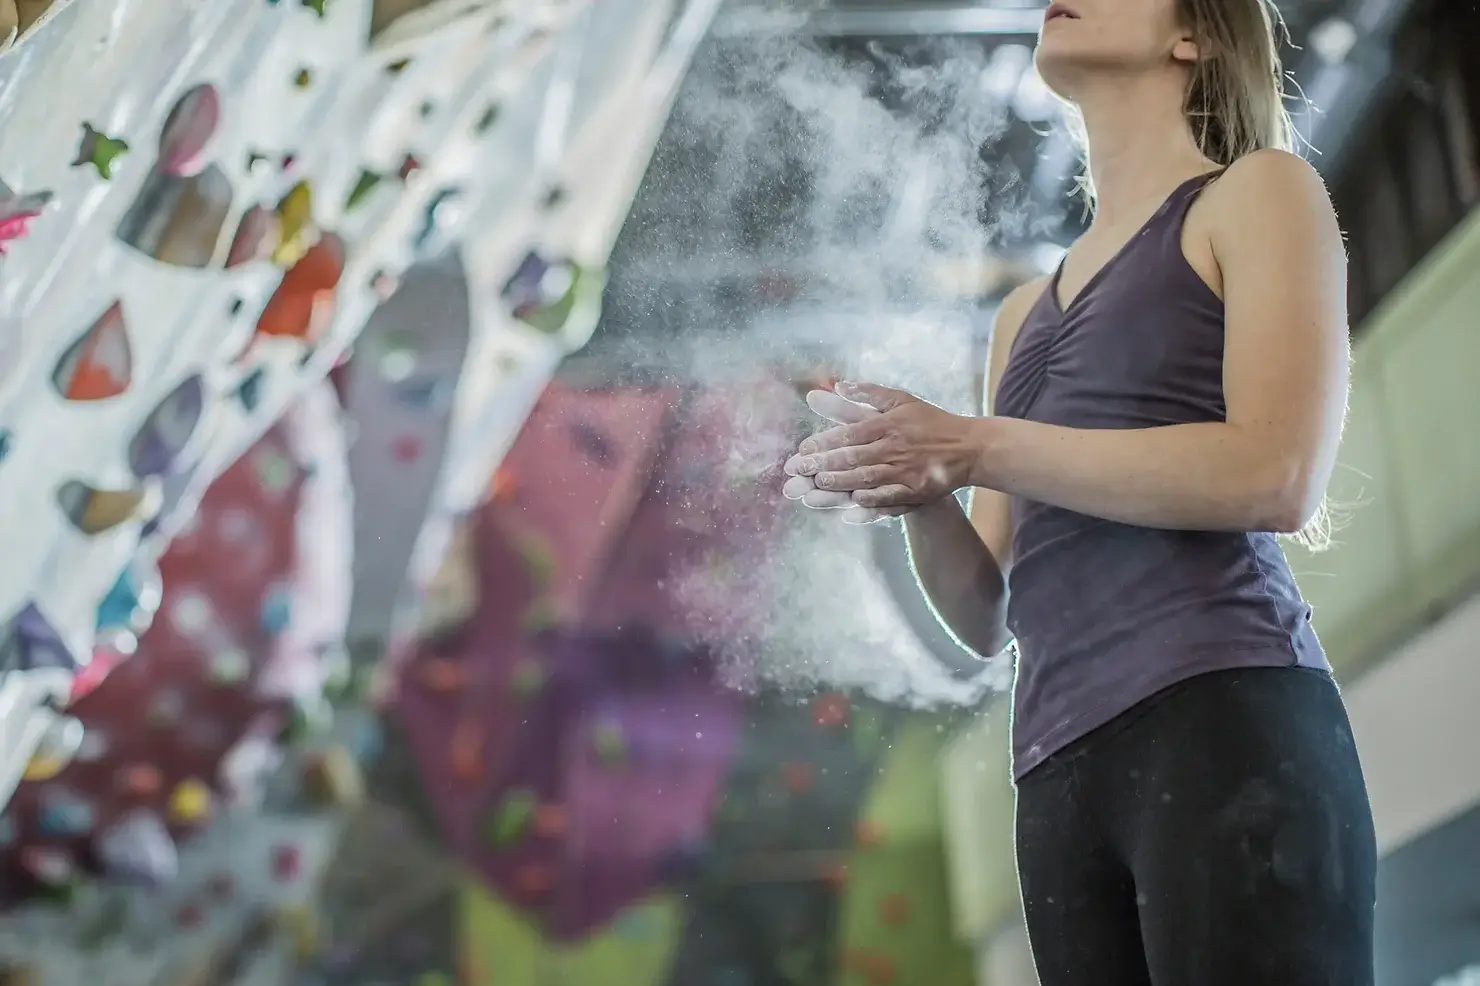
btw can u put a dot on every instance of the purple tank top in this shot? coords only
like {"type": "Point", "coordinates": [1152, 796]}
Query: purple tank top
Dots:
{"type": "Point", "coordinates": [1105, 614]}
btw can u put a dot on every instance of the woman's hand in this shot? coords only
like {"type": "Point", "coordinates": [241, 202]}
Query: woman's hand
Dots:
{"type": "Point", "coordinates": [911, 454]}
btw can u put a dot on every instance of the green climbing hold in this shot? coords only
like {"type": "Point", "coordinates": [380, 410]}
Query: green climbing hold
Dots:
{"type": "Point", "coordinates": [527, 678]}
{"type": "Point", "coordinates": [319, 7]}
{"type": "Point", "coordinates": [609, 742]}
{"type": "Point", "coordinates": [99, 150]}
{"type": "Point", "coordinates": [513, 817]}
{"type": "Point", "coordinates": [542, 615]}
{"type": "Point", "coordinates": [364, 185]}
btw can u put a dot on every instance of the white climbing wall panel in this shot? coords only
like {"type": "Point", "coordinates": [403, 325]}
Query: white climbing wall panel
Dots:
{"type": "Point", "coordinates": [203, 204]}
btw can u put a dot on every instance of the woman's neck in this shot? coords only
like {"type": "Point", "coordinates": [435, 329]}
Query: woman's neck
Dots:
{"type": "Point", "coordinates": [1140, 145]}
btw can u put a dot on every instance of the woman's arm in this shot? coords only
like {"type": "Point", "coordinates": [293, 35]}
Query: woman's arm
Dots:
{"type": "Point", "coordinates": [961, 560]}
{"type": "Point", "coordinates": [1285, 369]}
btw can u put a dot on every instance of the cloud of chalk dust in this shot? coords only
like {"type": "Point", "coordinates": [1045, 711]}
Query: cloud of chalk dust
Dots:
{"type": "Point", "coordinates": [810, 175]}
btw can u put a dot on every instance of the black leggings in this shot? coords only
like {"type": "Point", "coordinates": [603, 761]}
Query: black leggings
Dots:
{"type": "Point", "coordinates": [1218, 834]}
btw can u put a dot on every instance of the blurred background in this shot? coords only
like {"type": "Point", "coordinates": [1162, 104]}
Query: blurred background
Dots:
{"type": "Point", "coordinates": [395, 395]}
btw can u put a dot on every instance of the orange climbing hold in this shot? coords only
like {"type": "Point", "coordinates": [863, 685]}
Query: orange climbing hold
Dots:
{"type": "Point", "coordinates": [533, 880]}
{"type": "Point", "coordinates": [830, 710]}
{"type": "Point", "coordinates": [303, 304]}
{"type": "Point", "coordinates": [868, 834]}
{"type": "Point", "coordinates": [467, 752]}
{"type": "Point", "coordinates": [549, 821]}
{"type": "Point", "coordinates": [895, 909]}
{"type": "Point", "coordinates": [100, 364]}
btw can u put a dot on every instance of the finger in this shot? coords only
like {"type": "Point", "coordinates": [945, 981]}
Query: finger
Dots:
{"type": "Point", "coordinates": [860, 433]}
{"type": "Point", "coordinates": [797, 487]}
{"type": "Point", "coordinates": [838, 409]}
{"type": "Point", "coordinates": [858, 516]}
{"type": "Point", "coordinates": [840, 460]}
{"type": "Point", "coordinates": [827, 500]}
{"type": "Point", "coordinates": [862, 478]}
{"type": "Point", "coordinates": [884, 495]}
{"type": "Point", "coordinates": [875, 396]}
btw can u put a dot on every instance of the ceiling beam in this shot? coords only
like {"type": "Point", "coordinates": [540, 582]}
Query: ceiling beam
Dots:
{"type": "Point", "coordinates": [899, 20]}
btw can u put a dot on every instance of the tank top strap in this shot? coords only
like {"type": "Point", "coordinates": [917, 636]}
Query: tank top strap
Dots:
{"type": "Point", "coordinates": [1175, 209]}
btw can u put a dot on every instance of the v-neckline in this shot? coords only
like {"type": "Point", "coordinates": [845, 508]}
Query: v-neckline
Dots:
{"type": "Point", "coordinates": [1059, 305]}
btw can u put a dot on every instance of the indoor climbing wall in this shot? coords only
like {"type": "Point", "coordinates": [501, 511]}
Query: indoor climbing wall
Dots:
{"type": "Point", "coordinates": [597, 778]}
{"type": "Point", "coordinates": [200, 207]}
{"type": "Point", "coordinates": [174, 794]}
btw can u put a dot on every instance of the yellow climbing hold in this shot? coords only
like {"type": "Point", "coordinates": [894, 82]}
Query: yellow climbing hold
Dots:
{"type": "Point", "coordinates": [301, 923]}
{"type": "Point", "coordinates": [190, 802]}
{"type": "Point", "coordinates": [44, 766]}
{"type": "Point", "coordinates": [296, 230]}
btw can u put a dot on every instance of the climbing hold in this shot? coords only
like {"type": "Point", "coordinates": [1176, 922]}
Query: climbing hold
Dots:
{"type": "Point", "coordinates": [190, 915]}
{"type": "Point", "coordinates": [527, 678]}
{"type": "Point", "coordinates": [138, 849]}
{"type": "Point", "coordinates": [94, 511]}
{"type": "Point", "coordinates": [64, 814]}
{"type": "Point", "coordinates": [550, 821]}
{"type": "Point", "coordinates": [34, 643]}
{"type": "Point", "coordinates": [167, 708]}
{"type": "Point", "coordinates": [540, 616]}
{"type": "Point", "coordinates": [502, 488]}
{"type": "Point", "coordinates": [332, 779]}
{"type": "Point", "coordinates": [49, 866]}
{"type": "Point", "coordinates": [440, 212]}
{"type": "Point", "coordinates": [141, 780]}
{"type": "Point", "coordinates": [512, 818]}
{"type": "Point", "coordinates": [275, 471]}
{"type": "Point", "coordinates": [249, 391]}
{"type": "Point", "coordinates": [467, 752]}
{"type": "Point", "coordinates": [287, 863]}
{"type": "Point", "coordinates": [302, 79]}
{"type": "Point", "coordinates": [230, 666]}
{"type": "Point", "coordinates": [166, 433]}
{"type": "Point", "coordinates": [99, 150]}
{"type": "Point", "coordinates": [277, 610]}
{"type": "Point", "coordinates": [366, 183]}
{"type": "Point", "coordinates": [188, 129]}
{"type": "Point", "coordinates": [16, 213]}
{"type": "Point", "coordinates": [426, 395]}
{"type": "Point", "coordinates": [533, 880]}
{"type": "Point", "coordinates": [190, 802]}
{"type": "Point", "coordinates": [396, 355]}
{"type": "Point", "coordinates": [609, 742]}
{"type": "Point", "coordinates": [383, 284]}
{"type": "Point", "coordinates": [303, 304]}
{"type": "Point", "coordinates": [255, 236]}
{"type": "Point", "coordinates": [100, 364]}
{"type": "Point", "coordinates": [319, 7]}
{"type": "Point", "coordinates": [867, 834]}
{"type": "Point", "coordinates": [487, 119]}
{"type": "Point", "coordinates": [442, 674]}
{"type": "Point", "coordinates": [894, 910]}
{"type": "Point", "coordinates": [830, 710]}
{"type": "Point", "coordinates": [301, 922]}
{"type": "Point", "coordinates": [409, 167]}
{"type": "Point", "coordinates": [58, 748]}
{"type": "Point", "coordinates": [797, 777]}
{"type": "Point", "coordinates": [295, 225]}
{"type": "Point", "coordinates": [255, 160]}
{"type": "Point", "coordinates": [122, 607]}
{"type": "Point", "coordinates": [406, 448]}
{"type": "Point", "coordinates": [309, 715]}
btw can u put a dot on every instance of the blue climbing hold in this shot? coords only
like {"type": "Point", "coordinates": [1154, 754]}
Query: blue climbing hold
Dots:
{"type": "Point", "coordinates": [277, 610]}
{"type": "Point", "coordinates": [65, 815]}
{"type": "Point", "coordinates": [249, 391]}
{"type": "Point", "coordinates": [121, 605]}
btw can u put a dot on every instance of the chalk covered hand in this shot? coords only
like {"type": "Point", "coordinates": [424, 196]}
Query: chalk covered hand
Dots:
{"type": "Point", "coordinates": [910, 454]}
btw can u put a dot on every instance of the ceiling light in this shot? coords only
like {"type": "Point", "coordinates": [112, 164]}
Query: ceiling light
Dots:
{"type": "Point", "coordinates": [1333, 40]}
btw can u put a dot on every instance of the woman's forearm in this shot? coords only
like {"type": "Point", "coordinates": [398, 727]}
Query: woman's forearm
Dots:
{"type": "Point", "coordinates": [1206, 476]}
{"type": "Point", "coordinates": [959, 576]}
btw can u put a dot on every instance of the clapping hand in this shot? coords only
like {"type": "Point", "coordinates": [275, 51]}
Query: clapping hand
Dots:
{"type": "Point", "coordinates": [890, 452]}
{"type": "Point", "coordinates": [842, 411]}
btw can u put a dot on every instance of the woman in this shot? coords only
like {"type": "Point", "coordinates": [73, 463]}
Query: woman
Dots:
{"type": "Point", "coordinates": [1190, 808]}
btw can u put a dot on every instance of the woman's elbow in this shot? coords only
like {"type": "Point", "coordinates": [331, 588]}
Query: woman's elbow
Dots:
{"type": "Point", "coordinates": [1289, 505]}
